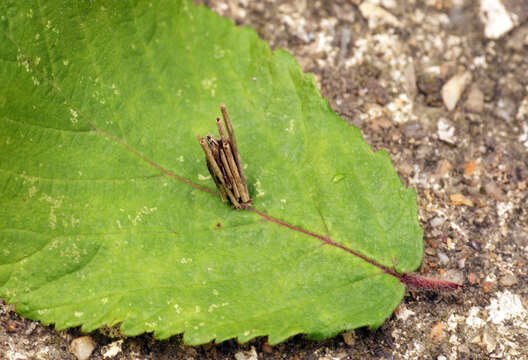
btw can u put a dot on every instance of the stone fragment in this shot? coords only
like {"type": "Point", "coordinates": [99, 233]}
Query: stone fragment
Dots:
{"type": "Point", "coordinates": [403, 313]}
{"type": "Point", "coordinates": [349, 337]}
{"type": "Point", "coordinates": [82, 347]}
{"type": "Point", "coordinates": [247, 355]}
{"type": "Point", "coordinates": [376, 15]}
{"type": "Point", "coordinates": [469, 167]}
{"type": "Point", "coordinates": [518, 39]}
{"type": "Point", "coordinates": [506, 109]}
{"type": "Point", "coordinates": [437, 221]}
{"type": "Point", "coordinates": [487, 286]}
{"type": "Point", "coordinates": [446, 131]}
{"type": "Point", "coordinates": [488, 341]}
{"type": "Point", "coordinates": [493, 191]}
{"type": "Point", "coordinates": [497, 19]}
{"type": "Point", "coordinates": [459, 199]}
{"type": "Point", "coordinates": [473, 278]}
{"type": "Point", "coordinates": [475, 100]}
{"type": "Point", "coordinates": [443, 168]}
{"type": "Point", "coordinates": [413, 129]}
{"type": "Point", "coordinates": [345, 41]}
{"type": "Point", "coordinates": [409, 80]}
{"type": "Point", "coordinates": [480, 200]}
{"type": "Point", "coordinates": [508, 280]}
{"type": "Point", "coordinates": [377, 92]}
{"type": "Point", "coordinates": [111, 350]}
{"type": "Point", "coordinates": [430, 83]}
{"type": "Point", "coordinates": [453, 89]}
{"type": "Point", "coordinates": [444, 259]}
{"type": "Point", "coordinates": [453, 275]}
{"type": "Point", "coordinates": [437, 333]}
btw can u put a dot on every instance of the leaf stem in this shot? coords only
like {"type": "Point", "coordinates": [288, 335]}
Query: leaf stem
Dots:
{"type": "Point", "coordinates": [410, 280]}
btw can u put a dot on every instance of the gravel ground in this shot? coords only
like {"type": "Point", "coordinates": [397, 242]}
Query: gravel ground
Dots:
{"type": "Point", "coordinates": [445, 92]}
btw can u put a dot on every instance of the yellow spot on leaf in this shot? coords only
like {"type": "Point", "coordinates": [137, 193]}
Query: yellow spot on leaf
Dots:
{"type": "Point", "coordinates": [258, 187]}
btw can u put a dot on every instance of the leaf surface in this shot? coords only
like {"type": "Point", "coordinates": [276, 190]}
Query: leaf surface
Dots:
{"type": "Point", "coordinates": [100, 105]}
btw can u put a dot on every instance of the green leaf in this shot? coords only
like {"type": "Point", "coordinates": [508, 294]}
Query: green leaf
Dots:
{"type": "Point", "coordinates": [100, 105]}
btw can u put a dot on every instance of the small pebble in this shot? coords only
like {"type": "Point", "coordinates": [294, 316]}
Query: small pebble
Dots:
{"type": "Point", "coordinates": [403, 313]}
{"type": "Point", "coordinates": [469, 167]}
{"type": "Point", "coordinates": [454, 276]}
{"type": "Point", "coordinates": [111, 350]}
{"type": "Point", "coordinates": [406, 169]}
{"type": "Point", "coordinates": [430, 83]}
{"type": "Point", "coordinates": [30, 328]}
{"type": "Point", "coordinates": [508, 280]}
{"type": "Point", "coordinates": [496, 18]}
{"type": "Point", "coordinates": [443, 168]}
{"type": "Point", "coordinates": [325, 357]}
{"type": "Point", "coordinates": [345, 40]}
{"type": "Point", "coordinates": [377, 92]}
{"type": "Point", "coordinates": [437, 333]}
{"type": "Point", "coordinates": [409, 80]}
{"type": "Point", "coordinates": [247, 355]}
{"type": "Point", "coordinates": [488, 340]}
{"type": "Point", "coordinates": [446, 131]}
{"type": "Point", "coordinates": [437, 221]}
{"type": "Point", "coordinates": [493, 191]}
{"type": "Point", "coordinates": [430, 252]}
{"type": "Point", "coordinates": [349, 337]}
{"type": "Point", "coordinates": [461, 263]}
{"type": "Point", "coordinates": [413, 129]}
{"type": "Point", "coordinates": [463, 349]}
{"type": "Point", "coordinates": [518, 39]}
{"type": "Point", "coordinates": [480, 200]}
{"type": "Point", "coordinates": [444, 259]}
{"type": "Point", "coordinates": [487, 286]}
{"type": "Point", "coordinates": [459, 199]}
{"type": "Point", "coordinates": [473, 278]}
{"type": "Point", "coordinates": [82, 347]}
{"type": "Point", "coordinates": [475, 100]}
{"type": "Point", "coordinates": [376, 15]}
{"type": "Point", "coordinates": [506, 109]}
{"type": "Point", "coordinates": [432, 243]}
{"type": "Point", "coordinates": [453, 89]}
{"type": "Point", "coordinates": [11, 326]}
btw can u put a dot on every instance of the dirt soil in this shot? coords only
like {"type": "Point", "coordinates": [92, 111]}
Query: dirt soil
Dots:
{"type": "Point", "coordinates": [386, 68]}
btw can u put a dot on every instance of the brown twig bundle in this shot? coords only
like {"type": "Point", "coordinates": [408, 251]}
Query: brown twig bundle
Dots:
{"type": "Point", "coordinates": [224, 164]}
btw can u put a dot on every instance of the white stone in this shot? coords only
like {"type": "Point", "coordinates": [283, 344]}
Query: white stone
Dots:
{"type": "Point", "coordinates": [473, 319]}
{"type": "Point", "coordinates": [437, 221]}
{"type": "Point", "coordinates": [497, 21]}
{"type": "Point", "coordinates": [377, 15]}
{"type": "Point", "coordinates": [506, 306]}
{"type": "Point", "coordinates": [112, 349]}
{"type": "Point", "coordinates": [405, 313]}
{"type": "Point", "coordinates": [453, 89]}
{"type": "Point", "coordinates": [82, 347]}
{"type": "Point", "coordinates": [475, 100]}
{"type": "Point", "coordinates": [446, 131]}
{"type": "Point", "coordinates": [247, 355]}
{"type": "Point", "coordinates": [444, 259]}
